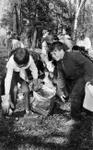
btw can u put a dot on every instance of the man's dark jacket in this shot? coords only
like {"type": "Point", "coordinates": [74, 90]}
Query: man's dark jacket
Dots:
{"type": "Point", "coordinates": [74, 67]}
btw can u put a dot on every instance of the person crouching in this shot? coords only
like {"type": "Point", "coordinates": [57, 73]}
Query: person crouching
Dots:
{"type": "Point", "coordinates": [16, 68]}
{"type": "Point", "coordinates": [74, 71]}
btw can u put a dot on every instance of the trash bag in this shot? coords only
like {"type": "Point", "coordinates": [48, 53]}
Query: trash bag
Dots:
{"type": "Point", "coordinates": [43, 100]}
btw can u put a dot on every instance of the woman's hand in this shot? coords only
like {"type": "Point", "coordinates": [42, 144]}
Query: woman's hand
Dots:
{"type": "Point", "coordinates": [6, 103]}
{"type": "Point", "coordinates": [36, 84]}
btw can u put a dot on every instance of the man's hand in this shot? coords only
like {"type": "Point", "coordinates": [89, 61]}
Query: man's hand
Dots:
{"type": "Point", "coordinates": [62, 94]}
{"type": "Point", "coordinates": [63, 98]}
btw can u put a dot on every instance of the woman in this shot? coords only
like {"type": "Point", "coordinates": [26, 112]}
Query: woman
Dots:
{"type": "Point", "coordinates": [16, 73]}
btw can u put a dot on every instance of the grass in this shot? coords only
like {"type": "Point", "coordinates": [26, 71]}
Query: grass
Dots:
{"type": "Point", "coordinates": [50, 133]}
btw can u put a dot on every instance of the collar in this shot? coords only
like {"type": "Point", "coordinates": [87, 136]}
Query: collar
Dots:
{"type": "Point", "coordinates": [65, 55]}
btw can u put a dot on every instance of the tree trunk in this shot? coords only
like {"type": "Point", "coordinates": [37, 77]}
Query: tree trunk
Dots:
{"type": "Point", "coordinates": [34, 39]}
{"type": "Point", "coordinates": [79, 5]}
{"type": "Point", "coordinates": [15, 20]}
{"type": "Point", "coordinates": [75, 30]}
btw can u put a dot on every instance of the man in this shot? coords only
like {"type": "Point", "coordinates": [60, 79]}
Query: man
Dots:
{"type": "Point", "coordinates": [73, 71]}
{"type": "Point", "coordinates": [16, 72]}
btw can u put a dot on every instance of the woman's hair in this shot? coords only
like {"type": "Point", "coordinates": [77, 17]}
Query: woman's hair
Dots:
{"type": "Point", "coordinates": [25, 59]}
{"type": "Point", "coordinates": [59, 46]}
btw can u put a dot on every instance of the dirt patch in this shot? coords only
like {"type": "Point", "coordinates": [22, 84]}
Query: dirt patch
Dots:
{"type": "Point", "coordinates": [45, 133]}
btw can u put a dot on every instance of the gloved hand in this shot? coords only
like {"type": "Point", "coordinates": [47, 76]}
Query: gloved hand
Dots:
{"type": "Point", "coordinates": [6, 103]}
{"type": "Point", "coordinates": [62, 97]}
{"type": "Point", "coordinates": [62, 94]}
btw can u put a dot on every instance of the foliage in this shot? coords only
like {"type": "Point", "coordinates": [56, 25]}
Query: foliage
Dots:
{"type": "Point", "coordinates": [7, 20]}
{"type": "Point", "coordinates": [39, 14]}
{"type": "Point", "coordinates": [51, 14]}
{"type": "Point", "coordinates": [85, 19]}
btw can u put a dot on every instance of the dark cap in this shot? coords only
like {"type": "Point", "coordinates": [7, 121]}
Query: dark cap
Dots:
{"type": "Point", "coordinates": [25, 60]}
{"type": "Point", "coordinates": [59, 46]}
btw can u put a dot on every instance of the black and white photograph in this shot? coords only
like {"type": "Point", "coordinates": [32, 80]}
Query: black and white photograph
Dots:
{"type": "Point", "coordinates": [46, 74]}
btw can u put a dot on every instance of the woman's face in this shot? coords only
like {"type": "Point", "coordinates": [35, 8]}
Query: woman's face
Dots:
{"type": "Point", "coordinates": [20, 54]}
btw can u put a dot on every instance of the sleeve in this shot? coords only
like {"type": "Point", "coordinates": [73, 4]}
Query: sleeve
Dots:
{"type": "Point", "coordinates": [8, 77]}
{"type": "Point", "coordinates": [60, 78]}
{"type": "Point", "coordinates": [33, 68]}
{"type": "Point", "coordinates": [61, 90]}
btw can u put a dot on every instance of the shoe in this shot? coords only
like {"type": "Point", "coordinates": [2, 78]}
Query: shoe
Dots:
{"type": "Point", "coordinates": [72, 122]}
{"type": "Point", "coordinates": [31, 115]}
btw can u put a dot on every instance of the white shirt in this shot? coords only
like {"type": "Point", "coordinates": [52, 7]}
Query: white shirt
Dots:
{"type": "Point", "coordinates": [85, 43]}
{"type": "Point", "coordinates": [12, 66]}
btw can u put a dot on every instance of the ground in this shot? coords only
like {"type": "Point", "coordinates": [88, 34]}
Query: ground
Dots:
{"type": "Point", "coordinates": [38, 133]}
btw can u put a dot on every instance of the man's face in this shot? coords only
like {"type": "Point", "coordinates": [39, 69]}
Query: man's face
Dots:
{"type": "Point", "coordinates": [57, 55]}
